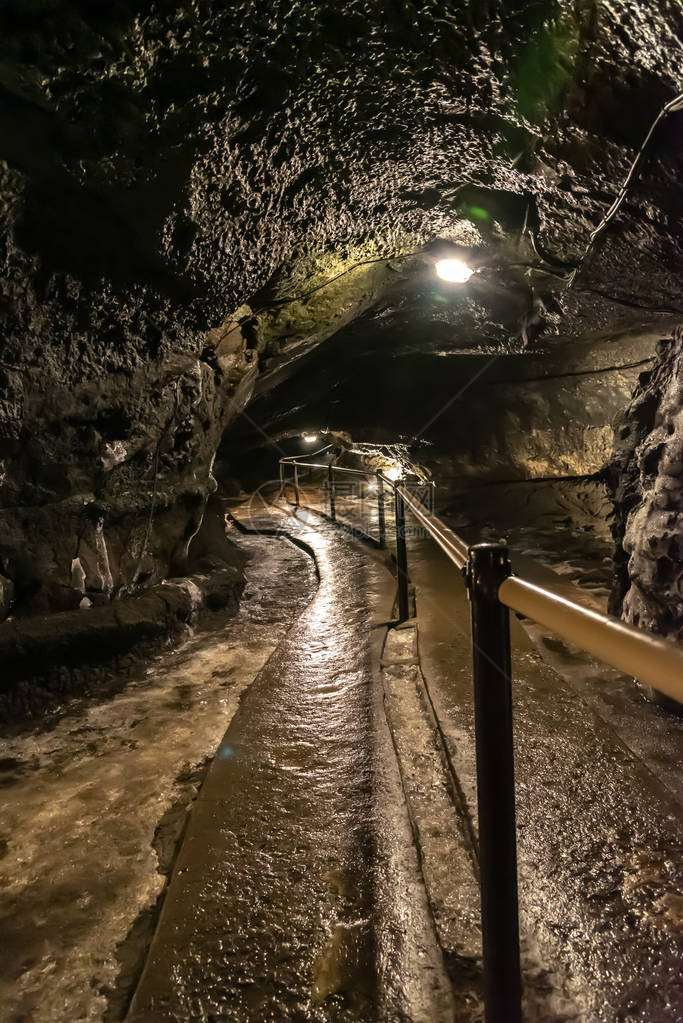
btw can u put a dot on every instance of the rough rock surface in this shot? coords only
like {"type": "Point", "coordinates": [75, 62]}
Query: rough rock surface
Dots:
{"type": "Point", "coordinates": [647, 476]}
{"type": "Point", "coordinates": [162, 166]}
{"type": "Point", "coordinates": [6, 596]}
{"type": "Point", "coordinates": [107, 481]}
{"type": "Point", "coordinates": [46, 659]}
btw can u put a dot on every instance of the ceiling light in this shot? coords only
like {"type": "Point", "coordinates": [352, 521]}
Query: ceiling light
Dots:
{"type": "Point", "coordinates": [309, 438]}
{"type": "Point", "coordinates": [453, 270]}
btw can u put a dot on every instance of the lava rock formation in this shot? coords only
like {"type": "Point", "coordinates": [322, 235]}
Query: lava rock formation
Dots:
{"type": "Point", "coordinates": [179, 183]}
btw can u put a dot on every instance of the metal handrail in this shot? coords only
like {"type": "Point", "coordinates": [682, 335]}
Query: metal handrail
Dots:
{"type": "Point", "coordinates": [652, 660]}
{"type": "Point", "coordinates": [327, 465]}
{"type": "Point", "coordinates": [289, 458]}
{"type": "Point", "coordinates": [493, 591]}
{"type": "Point", "coordinates": [453, 546]}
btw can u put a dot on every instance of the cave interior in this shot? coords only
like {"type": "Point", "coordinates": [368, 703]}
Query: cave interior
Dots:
{"type": "Point", "coordinates": [219, 231]}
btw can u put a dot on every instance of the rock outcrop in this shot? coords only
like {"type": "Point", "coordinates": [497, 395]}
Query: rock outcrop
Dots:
{"type": "Point", "coordinates": [647, 481]}
{"type": "Point", "coordinates": [6, 596]}
{"type": "Point", "coordinates": [106, 481]}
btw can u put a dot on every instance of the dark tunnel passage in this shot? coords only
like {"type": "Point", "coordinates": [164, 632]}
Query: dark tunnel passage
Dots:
{"type": "Point", "coordinates": [434, 246]}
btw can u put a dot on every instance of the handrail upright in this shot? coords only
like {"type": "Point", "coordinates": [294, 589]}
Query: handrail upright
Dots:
{"type": "Point", "coordinates": [330, 484]}
{"type": "Point", "coordinates": [401, 555]}
{"type": "Point", "coordinates": [488, 566]}
{"type": "Point", "coordinates": [381, 521]}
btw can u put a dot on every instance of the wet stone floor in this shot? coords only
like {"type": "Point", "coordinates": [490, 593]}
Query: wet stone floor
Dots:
{"type": "Point", "coordinates": [599, 794]}
{"type": "Point", "coordinates": [92, 801]}
{"type": "Point", "coordinates": [327, 870]}
{"type": "Point", "coordinates": [289, 804]}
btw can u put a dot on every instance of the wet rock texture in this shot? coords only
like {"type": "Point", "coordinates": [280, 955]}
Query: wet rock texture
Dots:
{"type": "Point", "coordinates": [158, 167]}
{"type": "Point", "coordinates": [92, 803]}
{"type": "Point", "coordinates": [48, 658]}
{"type": "Point", "coordinates": [106, 482]}
{"type": "Point", "coordinates": [647, 474]}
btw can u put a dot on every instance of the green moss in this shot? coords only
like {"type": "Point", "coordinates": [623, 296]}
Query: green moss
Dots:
{"type": "Point", "coordinates": [475, 213]}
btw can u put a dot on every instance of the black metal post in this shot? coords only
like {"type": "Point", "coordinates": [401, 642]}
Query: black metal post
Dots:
{"type": "Point", "coordinates": [401, 556]}
{"type": "Point", "coordinates": [296, 485]}
{"type": "Point", "coordinates": [488, 565]}
{"type": "Point", "coordinates": [380, 512]}
{"type": "Point", "coordinates": [330, 483]}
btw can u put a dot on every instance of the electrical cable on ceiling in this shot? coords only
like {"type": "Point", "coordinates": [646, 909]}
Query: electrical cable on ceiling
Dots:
{"type": "Point", "coordinates": [673, 106]}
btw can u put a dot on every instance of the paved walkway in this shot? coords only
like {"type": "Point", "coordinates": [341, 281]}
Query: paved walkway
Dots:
{"type": "Point", "coordinates": [275, 910]}
{"type": "Point", "coordinates": [295, 896]}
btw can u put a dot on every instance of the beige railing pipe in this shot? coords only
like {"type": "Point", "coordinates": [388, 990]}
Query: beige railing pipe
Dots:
{"type": "Point", "coordinates": [651, 660]}
{"type": "Point", "coordinates": [449, 542]}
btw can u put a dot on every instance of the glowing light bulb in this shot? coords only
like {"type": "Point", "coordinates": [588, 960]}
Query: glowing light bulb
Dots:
{"type": "Point", "coordinates": [393, 472]}
{"type": "Point", "coordinates": [372, 486]}
{"type": "Point", "coordinates": [453, 270]}
{"type": "Point", "coordinates": [309, 438]}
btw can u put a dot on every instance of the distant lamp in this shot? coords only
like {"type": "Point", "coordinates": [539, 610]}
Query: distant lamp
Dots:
{"type": "Point", "coordinates": [393, 472]}
{"type": "Point", "coordinates": [372, 486]}
{"type": "Point", "coordinates": [453, 270]}
{"type": "Point", "coordinates": [309, 438]}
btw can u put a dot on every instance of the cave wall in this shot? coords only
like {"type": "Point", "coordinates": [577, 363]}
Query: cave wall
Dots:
{"type": "Point", "coordinates": [160, 166]}
{"type": "Point", "coordinates": [538, 416]}
{"type": "Point", "coordinates": [532, 447]}
{"type": "Point", "coordinates": [106, 480]}
{"type": "Point", "coordinates": [646, 477]}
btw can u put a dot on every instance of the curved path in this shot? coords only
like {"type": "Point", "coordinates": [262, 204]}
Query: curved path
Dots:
{"type": "Point", "coordinates": [282, 905]}
{"type": "Point", "coordinates": [297, 894]}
